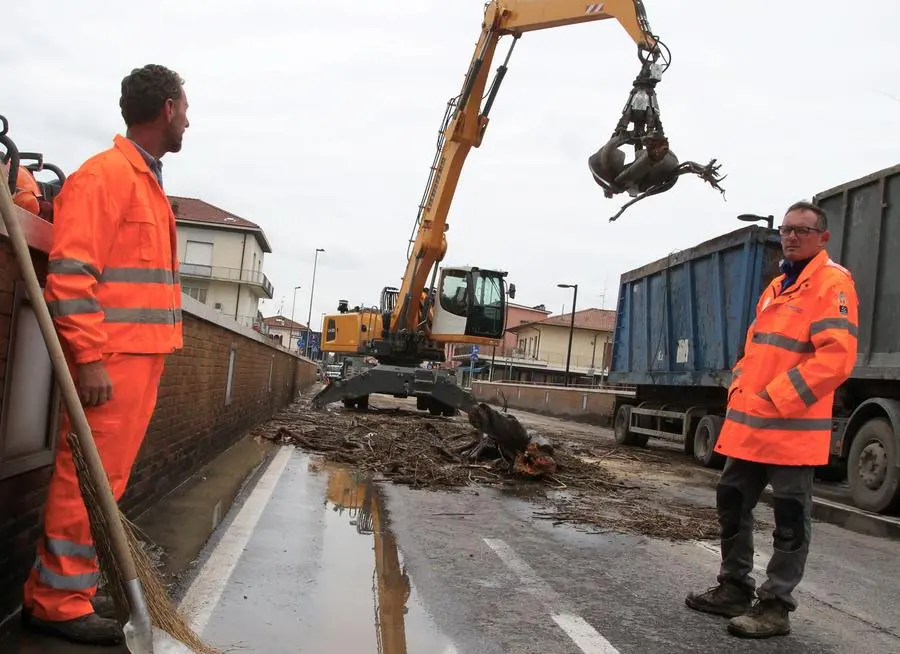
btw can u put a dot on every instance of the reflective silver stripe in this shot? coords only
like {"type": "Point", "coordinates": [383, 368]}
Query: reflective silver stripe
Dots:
{"type": "Point", "coordinates": [833, 323]}
{"type": "Point", "coordinates": [84, 581]}
{"type": "Point", "coordinates": [782, 424]}
{"type": "Point", "coordinates": [61, 547]}
{"type": "Point", "coordinates": [138, 275]}
{"type": "Point", "coordinates": [71, 267]}
{"type": "Point", "coordinates": [60, 308]}
{"type": "Point", "coordinates": [143, 316]}
{"type": "Point", "coordinates": [764, 394]}
{"type": "Point", "coordinates": [803, 390]}
{"type": "Point", "coordinates": [785, 343]}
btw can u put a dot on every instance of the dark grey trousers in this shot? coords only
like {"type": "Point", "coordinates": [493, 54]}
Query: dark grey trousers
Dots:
{"type": "Point", "coordinates": [737, 494]}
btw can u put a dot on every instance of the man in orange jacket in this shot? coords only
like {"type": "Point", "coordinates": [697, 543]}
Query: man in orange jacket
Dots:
{"type": "Point", "coordinates": [800, 348]}
{"type": "Point", "coordinates": [113, 291]}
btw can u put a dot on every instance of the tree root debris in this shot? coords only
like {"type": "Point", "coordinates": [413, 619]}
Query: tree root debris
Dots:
{"type": "Point", "coordinates": [427, 452]}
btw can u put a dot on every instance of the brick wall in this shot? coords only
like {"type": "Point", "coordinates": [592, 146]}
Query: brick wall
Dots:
{"type": "Point", "coordinates": [192, 423]}
{"type": "Point", "coordinates": [592, 406]}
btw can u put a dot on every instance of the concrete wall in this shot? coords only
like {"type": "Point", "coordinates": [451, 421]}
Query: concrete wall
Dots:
{"type": "Point", "coordinates": [192, 424]}
{"type": "Point", "coordinates": [592, 406]}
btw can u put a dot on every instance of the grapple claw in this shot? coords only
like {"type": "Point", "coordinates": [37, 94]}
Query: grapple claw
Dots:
{"type": "Point", "coordinates": [655, 168]}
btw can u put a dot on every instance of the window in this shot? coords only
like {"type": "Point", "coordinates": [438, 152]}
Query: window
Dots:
{"type": "Point", "coordinates": [230, 381]}
{"type": "Point", "coordinates": [195, 292]}
{"type": "Point", "coordinates": [454, 292]}
{"type": "Point", "coordinates": [198, 258]}
{"type": "Point", "coordinates": [30, 408]}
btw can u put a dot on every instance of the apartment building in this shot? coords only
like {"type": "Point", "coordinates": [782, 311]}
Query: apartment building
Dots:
{"type": "Point", "coordinates": [221, 260]}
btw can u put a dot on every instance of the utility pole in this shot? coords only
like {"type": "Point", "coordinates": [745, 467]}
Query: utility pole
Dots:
{"type": "Point", "coordinates": [574, 287]}
{"type": "Point", "coordinates": [312, 290]}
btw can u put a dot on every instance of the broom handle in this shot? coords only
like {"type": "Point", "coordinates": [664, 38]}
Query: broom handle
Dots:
{"type": "Point", "coordinates": [122, 553]}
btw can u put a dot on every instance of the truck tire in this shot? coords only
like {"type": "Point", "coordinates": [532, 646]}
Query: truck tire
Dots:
{"type": "Point", "coordinates": [705, 437]}
{"type": "Point", "coordinates": [872, 467]}
{"type": "Point", "coordinates": [621, 430]}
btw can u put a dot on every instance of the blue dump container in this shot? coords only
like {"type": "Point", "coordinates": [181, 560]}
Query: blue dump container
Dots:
{"type": "Point", "coordinates": [682, 320]}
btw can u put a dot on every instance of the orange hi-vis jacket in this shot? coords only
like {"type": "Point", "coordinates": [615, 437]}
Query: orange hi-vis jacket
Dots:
{"type": "Point", "coordinates": [799, 349]}
{"type": "Point", "coordinates": [112, 282]}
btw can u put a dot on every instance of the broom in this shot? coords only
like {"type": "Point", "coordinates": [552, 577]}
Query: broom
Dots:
{"type": "Point", "coordinates": [123, 561]}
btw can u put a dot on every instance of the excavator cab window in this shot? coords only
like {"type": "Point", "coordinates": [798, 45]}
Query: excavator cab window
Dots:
{"type": "Point", "coordinates": [478, 296]}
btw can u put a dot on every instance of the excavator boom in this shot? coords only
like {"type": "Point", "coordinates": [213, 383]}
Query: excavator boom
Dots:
{"type": "Point", "coordinates": [467, 119]}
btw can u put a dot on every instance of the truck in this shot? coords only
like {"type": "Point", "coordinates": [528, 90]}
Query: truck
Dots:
{"type": "Point", "coordinates": [682, 320]}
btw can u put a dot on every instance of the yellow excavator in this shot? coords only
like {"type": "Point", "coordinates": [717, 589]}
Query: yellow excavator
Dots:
{"type": "Point", "coordinates": [466, 304]}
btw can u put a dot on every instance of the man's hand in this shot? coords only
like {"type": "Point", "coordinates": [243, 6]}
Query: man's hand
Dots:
{"type": "Point", "coordinates": [94, 384]}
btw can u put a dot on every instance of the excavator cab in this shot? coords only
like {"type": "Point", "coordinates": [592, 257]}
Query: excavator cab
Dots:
{"type": "Point", "coordinates": [470, 302]}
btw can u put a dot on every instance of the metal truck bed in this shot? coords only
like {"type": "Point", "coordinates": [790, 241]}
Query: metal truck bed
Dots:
{"type": "Point", "coordinates": [682, 320]}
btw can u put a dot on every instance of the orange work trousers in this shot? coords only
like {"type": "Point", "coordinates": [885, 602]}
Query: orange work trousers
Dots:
{"type": "Point", "coordinates": [65, 573]}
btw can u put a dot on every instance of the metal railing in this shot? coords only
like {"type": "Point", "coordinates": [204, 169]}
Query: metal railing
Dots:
{"type": "Point", "coordinates": [221, 273]}
{"type": "Point", "coordinates": [553, 359]}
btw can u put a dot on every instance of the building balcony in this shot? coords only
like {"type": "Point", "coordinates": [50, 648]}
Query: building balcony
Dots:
{"type": "Point", "coordinates": [233, 275]}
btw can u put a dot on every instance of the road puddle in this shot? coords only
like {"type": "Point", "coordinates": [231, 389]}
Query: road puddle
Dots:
{"type": "Point", "coordinates": [316, 570]}
{"type": "Point", "coordinates": [364, 579]}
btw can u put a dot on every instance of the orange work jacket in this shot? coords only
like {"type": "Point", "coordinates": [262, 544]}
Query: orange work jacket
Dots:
{"type": "Point", "coordinates": [112, 282]}
{"type": "Point", "coordinates": [27, 191]}
{"type": "Point", "coordinates": [798, 350]}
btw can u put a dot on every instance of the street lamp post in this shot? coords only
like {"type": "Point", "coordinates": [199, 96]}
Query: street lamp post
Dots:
{"type": "Point", "coordinates": [574, 287]}
{"type": "Point", "coordinates": [309, 317]}
{"type": "Point", "coordinates": [293, 308]}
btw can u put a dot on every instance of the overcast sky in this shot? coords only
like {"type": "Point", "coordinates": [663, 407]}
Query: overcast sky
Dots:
{"type": "Point", "coordinates": [318, 121]}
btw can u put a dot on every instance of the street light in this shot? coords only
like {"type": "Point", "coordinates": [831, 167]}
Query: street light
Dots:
{"type": "Point", "coordinates": [753, 218]}
{"type": "Point", "coordinates": [293, 307]}
{"type": "Point", "coordinates": [309, 317]}
{"type": "Point", "coordinates": [574, 287]}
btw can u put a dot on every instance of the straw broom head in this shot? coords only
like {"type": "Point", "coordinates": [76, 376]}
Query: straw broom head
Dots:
{"type": "Point", "coordinates": [162, 613]}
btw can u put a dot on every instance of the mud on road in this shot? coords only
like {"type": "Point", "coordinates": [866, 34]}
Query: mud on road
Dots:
{"type": "Point", "coordinates": [598, 485]}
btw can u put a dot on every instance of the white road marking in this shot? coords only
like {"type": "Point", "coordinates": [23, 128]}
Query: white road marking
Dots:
{"type": "Point", "coordinates": [588, 639]}
{"type": "Point", "coordinates": [206, 590]}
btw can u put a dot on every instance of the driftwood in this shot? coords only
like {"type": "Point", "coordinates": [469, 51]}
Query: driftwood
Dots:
{"type": "Point", "coordinates": [502, 432]}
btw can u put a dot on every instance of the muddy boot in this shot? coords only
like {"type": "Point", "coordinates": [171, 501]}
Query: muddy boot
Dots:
{"type": "Point", "coordinates": [104, 606]}
{"type": "Point", "coordinates": [767, 618]}
{"type": "Point", "coordinates": [90, 629]}
{"type": "Point", "coordinates": [725, 599]}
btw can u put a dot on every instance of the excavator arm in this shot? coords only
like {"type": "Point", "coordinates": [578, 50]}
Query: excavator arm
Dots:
{"type": "Point", "coordinates": [467, 118]}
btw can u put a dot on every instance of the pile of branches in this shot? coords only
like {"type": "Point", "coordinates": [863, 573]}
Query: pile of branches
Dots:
{"type": "Point", "coordinates": [422, 451]}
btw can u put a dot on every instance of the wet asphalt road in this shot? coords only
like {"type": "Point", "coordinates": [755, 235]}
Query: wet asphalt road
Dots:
{"type": "Point", "coordinates": [315, 559]}
{"type": "Point", "coordinates": [338, 565]}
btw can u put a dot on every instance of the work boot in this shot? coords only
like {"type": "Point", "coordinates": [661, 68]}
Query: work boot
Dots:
{"type": "Point", "coordinates": [767, 618]}
{"type": "Point", "coordinates": [89, 629]}
{"type": "Point", "coordinates": [104, 606]}
{"type": "Point", "coordinates": [725, 599]}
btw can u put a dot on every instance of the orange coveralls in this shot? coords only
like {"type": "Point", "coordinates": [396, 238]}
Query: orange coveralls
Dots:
{"type": "Point", "coordinates": [114, 293]}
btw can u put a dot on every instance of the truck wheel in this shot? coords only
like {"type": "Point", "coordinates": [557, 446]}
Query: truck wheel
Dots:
{"type": "Point", "coordinates": [872, 468]}
{"type": "Point", "coordinates": [705, 438]}
{"type": "Point", "coordinates": [621, 428]}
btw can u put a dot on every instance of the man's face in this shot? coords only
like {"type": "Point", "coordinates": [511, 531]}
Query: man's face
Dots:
{"type": "Point", "coordinates": [176, 122]}
{"type": "Point", "coordinates": [801, 237]}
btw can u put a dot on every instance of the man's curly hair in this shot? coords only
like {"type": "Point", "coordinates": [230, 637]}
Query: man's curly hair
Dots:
{"type": "Point", "coordinates": [145, 91]}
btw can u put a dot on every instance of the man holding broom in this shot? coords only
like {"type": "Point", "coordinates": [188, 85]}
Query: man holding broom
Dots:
{"type": "Point", "coordinates": [113, 291]}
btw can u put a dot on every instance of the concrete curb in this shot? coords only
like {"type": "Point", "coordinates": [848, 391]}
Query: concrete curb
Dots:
{"type": "Point", "coordinates": [849, 517]}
